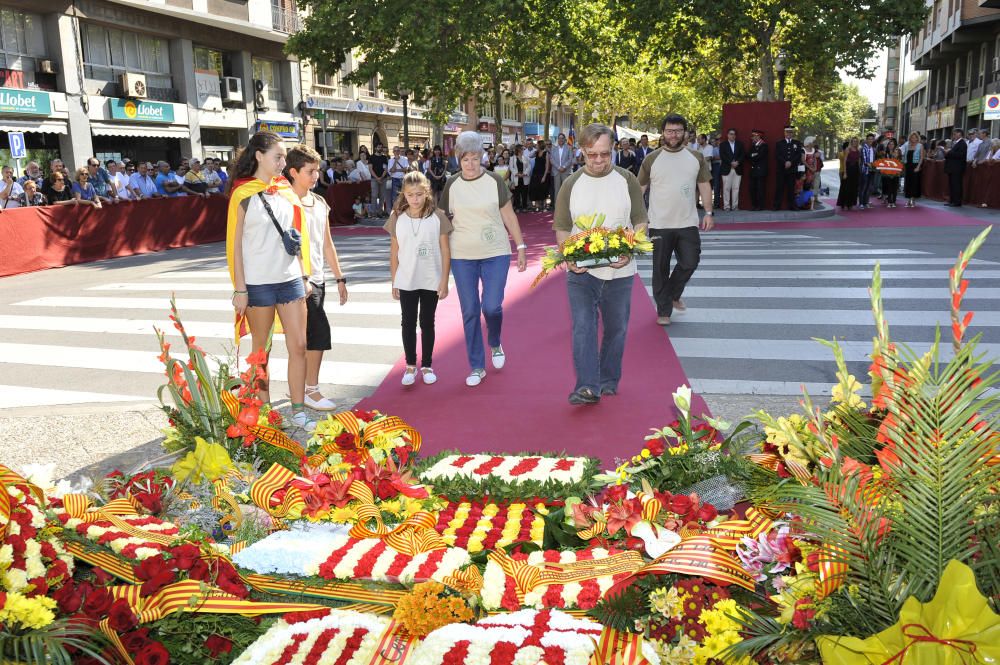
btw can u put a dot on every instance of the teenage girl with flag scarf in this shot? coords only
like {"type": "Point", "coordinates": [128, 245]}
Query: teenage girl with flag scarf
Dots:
{"type": "Point", "coordinates": [266, 278]}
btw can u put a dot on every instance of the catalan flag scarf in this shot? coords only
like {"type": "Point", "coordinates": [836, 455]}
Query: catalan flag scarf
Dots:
{"type": "Point", "coordinates": [244, 189]}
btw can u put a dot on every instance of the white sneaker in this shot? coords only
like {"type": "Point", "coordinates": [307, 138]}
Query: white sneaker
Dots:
{"type": "Point", "coordinates": [409, 376]}
{"type": "Point", "coordinates": [300, 419]}
{"type": "Point", "coordinates": [322, 404]}
{"type": "Point", "coordinates": [499, 357]}
{"type": "Point", "coordinates": [475, 378]}
{"type": "Point", "coordinates": [428, 375]}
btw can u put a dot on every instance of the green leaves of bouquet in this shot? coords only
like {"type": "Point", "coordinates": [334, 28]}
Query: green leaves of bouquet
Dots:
{"type": "Point", "coordinates": [899, 490]}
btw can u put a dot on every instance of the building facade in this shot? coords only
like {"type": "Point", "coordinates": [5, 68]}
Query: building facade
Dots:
{"type": "Point", "coordinates": [146, 79]}
{"type": "Point", "coordinates": [956, 58]}
{"type": "Point", "coordinates": [165, 79]}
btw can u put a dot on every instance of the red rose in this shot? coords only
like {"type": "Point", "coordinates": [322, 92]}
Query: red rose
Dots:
{"type": "Point", "coordinates": [103, 578]}
{"type": "Point", "coordinates": [155, 574]}
{"type": "Point", "coordinates": [121, 617]}
{"type": "Point", "coordinates": [616, 493]}
{"type": "Point", "coordinates": [97, 603]}
{"type": "Point", "coordinates": [185, 556]}
{"type": "Point", "coordinates": [707, 513]}
{"type": "Point", "coordinates": [199, 570]}
{"type": "Point", "coordinates": [135, 640]}
{"type": "Point", "coordinates": [68, 598]}
{"type": "Point", "coordinates": [217, 644]}
{"type": "Point", "coordinates": [153, 653]}
{"type": "Point", "coordinates": [680, 504]}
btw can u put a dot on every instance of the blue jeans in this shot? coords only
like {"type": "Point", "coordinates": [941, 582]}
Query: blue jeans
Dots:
{"type": "Point", "coordinates": [397, 186]}
{"type": "Point", "coordinates": [596, 367]}
{"type": "Point", "coordinates": [492, 273]}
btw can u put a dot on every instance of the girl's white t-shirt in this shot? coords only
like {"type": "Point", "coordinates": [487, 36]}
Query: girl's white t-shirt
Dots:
{"type": "Point", "coordinates": [419, 241]}
{"type": "Point", "coordinates": [265, 260]}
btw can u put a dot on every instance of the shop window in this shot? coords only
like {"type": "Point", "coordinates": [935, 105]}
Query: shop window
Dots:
{"type": "Point", "coordinates": [22, 43]}
{"type": "Point", "coordinates": [269, 72]}
{"type": "Point", "coordinates": [108, 53]}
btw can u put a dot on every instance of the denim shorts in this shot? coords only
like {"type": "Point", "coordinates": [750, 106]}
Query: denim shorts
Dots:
{"type": "Point", "coordinates": [268, 295]}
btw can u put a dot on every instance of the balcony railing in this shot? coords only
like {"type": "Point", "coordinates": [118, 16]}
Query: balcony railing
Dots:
{"type": "Point", "coordinates": [285, 20]}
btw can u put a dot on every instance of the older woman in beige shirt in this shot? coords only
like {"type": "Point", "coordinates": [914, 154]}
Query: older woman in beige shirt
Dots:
{"type": "Point", "coordinates": [482, 216]}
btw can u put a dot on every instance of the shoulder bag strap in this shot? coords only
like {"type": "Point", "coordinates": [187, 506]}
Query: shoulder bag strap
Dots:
{"type": "Point", "coordinates": [270, 213]}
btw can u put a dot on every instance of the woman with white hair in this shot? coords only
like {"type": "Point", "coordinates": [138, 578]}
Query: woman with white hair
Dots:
{"type": "Point", "coordinates": [478, 202]}
{"type": "Point", "coordinates": [814, 169]}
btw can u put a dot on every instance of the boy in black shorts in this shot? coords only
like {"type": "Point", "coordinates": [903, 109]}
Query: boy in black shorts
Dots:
{"type": "Point", "coordinates": [302, 170]}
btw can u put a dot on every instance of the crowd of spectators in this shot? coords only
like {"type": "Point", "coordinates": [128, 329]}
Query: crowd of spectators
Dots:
{"type": "Point", "coordinates": [112, 182]}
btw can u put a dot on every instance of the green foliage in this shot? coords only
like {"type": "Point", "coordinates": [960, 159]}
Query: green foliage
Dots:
{"type": "Point", "coordinates": [619, 611]}
{"type": "Point", "coordinates": [932, 500]}
{"type": "Point", "coordinates": [53, 644]}
{"type": "Point", "coordinates": [184, 635]}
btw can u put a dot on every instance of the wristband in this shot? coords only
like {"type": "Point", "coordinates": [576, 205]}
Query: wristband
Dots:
{"type": "Point", "coordinates": [341, 280]}
{"type": "Point", "coordinates": [522, 246]}
{"type": "Point", "coordinates": [239, 293]}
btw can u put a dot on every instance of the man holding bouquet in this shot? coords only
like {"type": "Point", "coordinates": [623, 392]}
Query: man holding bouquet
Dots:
{"type": "Point", "coordinates": [611, 194]}
{"type": "Point", "coordinates": [675, 176]}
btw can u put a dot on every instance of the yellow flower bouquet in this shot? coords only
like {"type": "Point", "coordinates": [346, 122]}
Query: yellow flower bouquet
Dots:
{"type": "Point", "coordinates": [594, 246]}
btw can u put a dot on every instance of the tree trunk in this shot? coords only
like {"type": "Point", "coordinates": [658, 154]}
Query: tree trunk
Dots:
{"type": "Point", "coordinates": [497, 112]}
{"type": "Point", "coordinates": [767, 73]}
{"type": "Point", "coordinates": [548, 115]}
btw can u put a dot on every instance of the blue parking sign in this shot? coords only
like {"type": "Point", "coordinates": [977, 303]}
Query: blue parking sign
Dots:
{"type": "Point", "coordinates": [17, 148]}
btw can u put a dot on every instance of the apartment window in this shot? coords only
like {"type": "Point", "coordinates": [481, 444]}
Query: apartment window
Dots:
{"type": "Point", "coordinates": [970, 64]}
{"type": "Point", "coordinates": [509, 109]}
{"type": "Point", "coordinates": [207, 59]}
{"type": "Point", "coordinates": [268, 71]}
{"type": "Point", "coordinates": [531, 115]}
{"type": "Point", "coordinates": [486, 110]}
{"type": "Point", "coordinates": [21, 42]}
{"type": "Point", "coordinates": [372, 89]}
{"type": "Point", "coordinates": [996, 59]}
{"type": "Point", "coordinates": [108, 53]}
{"type": "Point", "coordinates": [285, 16]}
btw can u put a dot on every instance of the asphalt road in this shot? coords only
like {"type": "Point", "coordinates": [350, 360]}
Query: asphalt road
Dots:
{"type": "Point", "coordinates": [78, 357]}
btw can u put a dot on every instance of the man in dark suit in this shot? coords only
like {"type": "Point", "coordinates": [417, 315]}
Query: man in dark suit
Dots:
{"type": "Point", "coordinates": [954, 167]}
{"type": "Point", "coordinates": [731, 155]}
{"type": "Point", "coordinates": [641, 151]}
{"type": "Point", "coordinates": [787, 157]}
{"type": "Point", "coordinates": [758, 169]}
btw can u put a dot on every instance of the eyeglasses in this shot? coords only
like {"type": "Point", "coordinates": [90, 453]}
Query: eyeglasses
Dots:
{"type": "Point", "coordinates": [674, 132]}
{"type": "Point", "coordinates": [598, 155]}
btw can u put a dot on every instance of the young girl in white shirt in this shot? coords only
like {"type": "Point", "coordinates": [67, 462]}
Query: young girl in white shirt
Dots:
{"type": "Point", "coordinates": [419, 262]}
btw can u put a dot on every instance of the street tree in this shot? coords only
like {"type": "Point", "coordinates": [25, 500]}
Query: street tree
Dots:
{"type": "Point", "coordinates": [817, 38]}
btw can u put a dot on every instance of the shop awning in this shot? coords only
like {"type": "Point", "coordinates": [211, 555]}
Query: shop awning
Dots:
{"type": "Point", "coordinates": [160, 131]}
{"type": "Point", "coordinates": [41, 126]}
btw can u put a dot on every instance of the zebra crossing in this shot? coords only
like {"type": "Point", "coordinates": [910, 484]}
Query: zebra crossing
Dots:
{"type": "Point", "coordinates": [754, 306]}
{"type": "Point", "coordinates": [102, 334]}
{"type": "Point", "coordinates": [759, 298]}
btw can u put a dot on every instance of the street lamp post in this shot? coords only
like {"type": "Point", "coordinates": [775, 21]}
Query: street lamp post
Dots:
{"type": "Point", "coordinates": [405, 94]}
{"type": "Point", "coordinates": [781, 67]}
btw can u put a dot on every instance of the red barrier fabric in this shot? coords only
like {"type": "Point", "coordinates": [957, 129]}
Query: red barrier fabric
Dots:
{"type": "Point", "coordinates": [981, 184]}
{"type": "Point", "coordinates": [341, 195]}
{"type": "Point", "coordinates": [770, 118]}
{"type": "Point", "coordinates": [56, 236]}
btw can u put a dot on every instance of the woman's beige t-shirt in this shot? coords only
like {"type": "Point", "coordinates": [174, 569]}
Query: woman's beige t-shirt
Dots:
{"type": "Point", "coordinates": [474, 206]}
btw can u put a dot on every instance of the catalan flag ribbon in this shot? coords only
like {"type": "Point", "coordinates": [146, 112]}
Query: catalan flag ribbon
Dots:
{"type": "Point", "coordinates": [615, 647]}
{"type": "Point", "coordinates": [11, 477]}
{"type": "Point", "coordinates": [270, 435]}
{"type": "Point", "coordinates": [528, 577]}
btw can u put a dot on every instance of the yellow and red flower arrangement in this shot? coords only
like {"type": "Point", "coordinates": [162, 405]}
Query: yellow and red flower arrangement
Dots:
{"type": "Point", "coordinates": [595, 245]}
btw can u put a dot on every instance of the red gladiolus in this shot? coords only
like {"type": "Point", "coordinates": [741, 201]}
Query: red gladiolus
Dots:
{"type": "Point", "coordinates": [248, 416]}
{"type": "Point", "coordinates": [805, 612]}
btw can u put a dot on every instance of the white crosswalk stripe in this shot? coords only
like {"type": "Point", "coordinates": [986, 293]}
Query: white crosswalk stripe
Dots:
{"type": "Point", "coordinates": [758, 300]}
{"type": "Point", "coordinates": [104, 332]}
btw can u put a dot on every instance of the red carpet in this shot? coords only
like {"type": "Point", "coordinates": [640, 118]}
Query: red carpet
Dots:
{"type": "Point", "coordinates": [876, 217]}
{"type": "Point", "coordinates": [523, 407]}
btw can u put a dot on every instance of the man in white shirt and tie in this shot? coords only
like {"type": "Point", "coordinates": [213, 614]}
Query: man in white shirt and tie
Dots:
{"type": "Point", "coordinates": [560, 164]}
